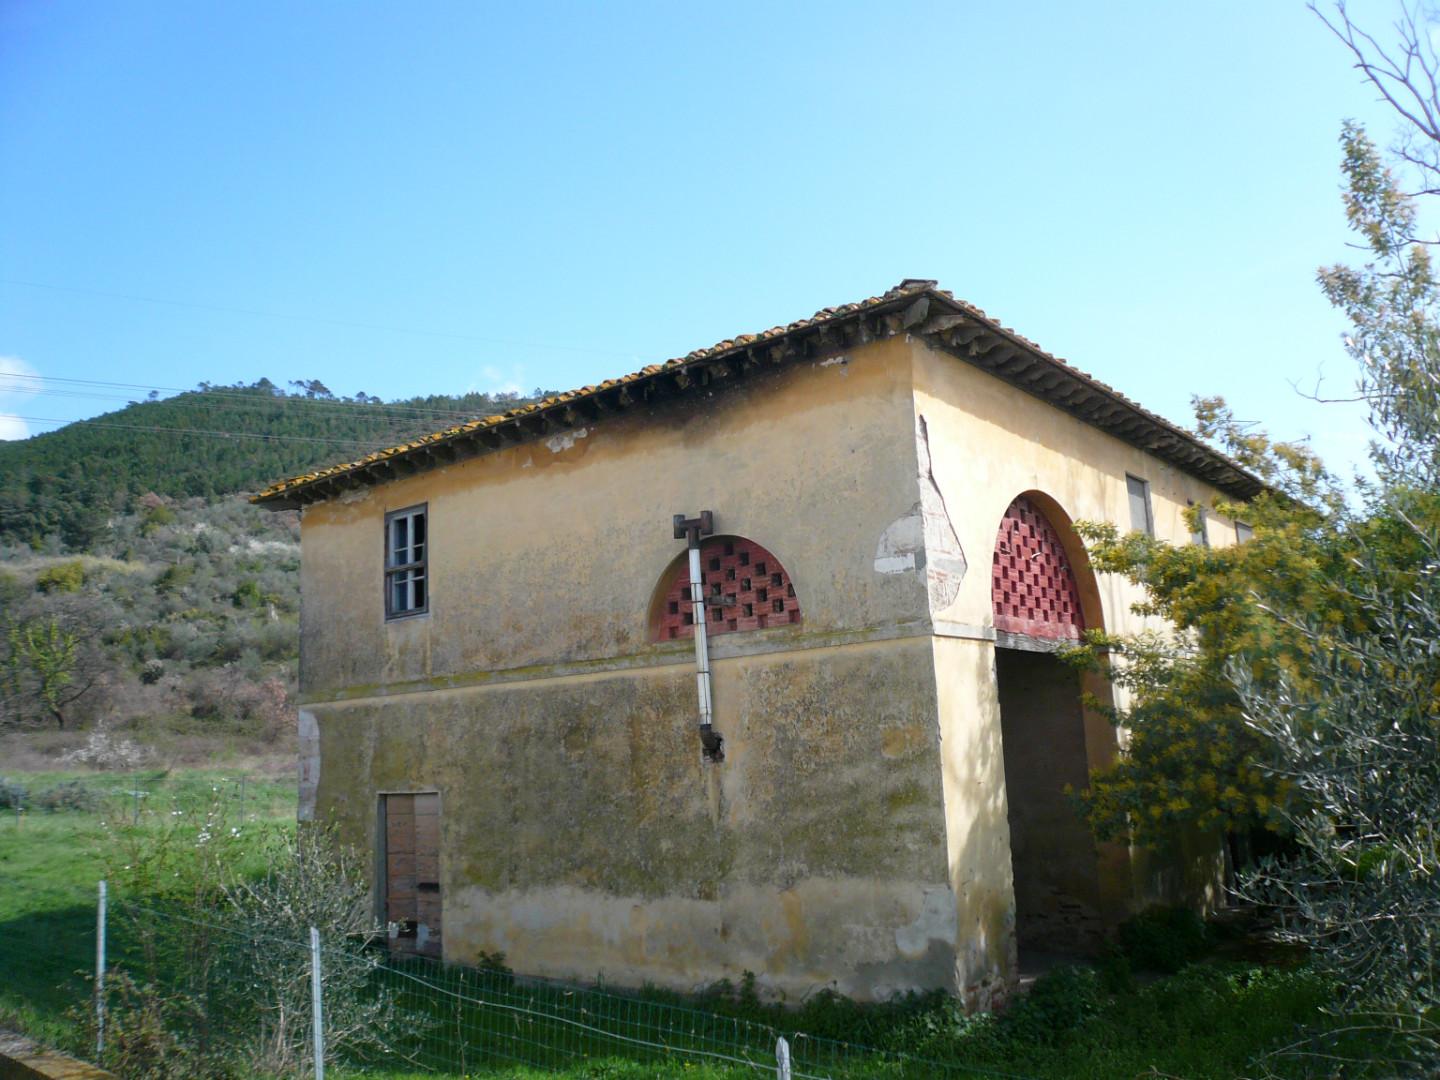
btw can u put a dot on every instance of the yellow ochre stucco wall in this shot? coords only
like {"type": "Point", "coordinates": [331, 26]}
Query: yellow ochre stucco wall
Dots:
{"type": "Point", "coordinates": [582, 832]}
{"type": "Point", "coordinates": [987, 443]}
{"type": "Point", "coordinates": [855, 834]}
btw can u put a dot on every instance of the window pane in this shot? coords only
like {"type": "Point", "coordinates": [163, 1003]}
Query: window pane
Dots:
{"type": "Point", "coordinates": [1139, 491]}
{"type": "Point", "coordinates": [1243, 532]}
{"type": "Point", "coordinates": [405, 546]}
{"type": "Point", "coordinates": [399, 541]}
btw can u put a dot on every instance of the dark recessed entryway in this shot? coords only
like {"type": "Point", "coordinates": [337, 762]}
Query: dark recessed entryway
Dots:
{"type": "Point", "coordinates": [1052, 853]}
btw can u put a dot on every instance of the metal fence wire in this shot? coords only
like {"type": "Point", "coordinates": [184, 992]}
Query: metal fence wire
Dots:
{"type": "Point", "coordinates": [423, 1016]}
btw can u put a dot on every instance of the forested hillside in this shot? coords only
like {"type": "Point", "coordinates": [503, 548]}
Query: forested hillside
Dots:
{"type": "Point", "coordinates": [147, 609]}
{"type": "Point", "coordinates": [182, 621]}
{"type": "Point", "coordinates": [57, 490]}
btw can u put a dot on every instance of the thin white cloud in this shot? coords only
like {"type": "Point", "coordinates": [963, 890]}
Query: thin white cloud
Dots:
{"type": "Point", "coordinates": [13, 392]}
{"type": "Point", "coordinates": [494, 381]}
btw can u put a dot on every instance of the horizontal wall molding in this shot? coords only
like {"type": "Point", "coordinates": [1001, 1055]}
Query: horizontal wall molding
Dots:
{"type": "Point", "coordinates": [1030, 643]}
{"type": "Point", "coordinates": [726, 647]}
{"type": "Point", "coordinates": [945, 628]}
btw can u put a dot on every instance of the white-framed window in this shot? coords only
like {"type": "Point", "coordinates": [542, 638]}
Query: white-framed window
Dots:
{"type": "Point", "coordinates": [407, 549]}
{"type": "Point", "coordinates": [1243, 532]}
{"type": "Point", "coordinates": [1141, 518]}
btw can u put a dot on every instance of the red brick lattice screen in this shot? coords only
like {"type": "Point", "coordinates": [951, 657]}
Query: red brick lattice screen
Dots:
{"type": "Point", "coordinates": [1032, 587]}
{"type": "Point", "coordinates": [746, 588]}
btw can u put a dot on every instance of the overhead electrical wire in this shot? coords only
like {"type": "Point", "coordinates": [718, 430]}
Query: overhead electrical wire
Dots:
{"type": "Point", "coordinates": [190, 431]}
{"type": "Point", "coordinates": [265, 407]}
{"type": "Point", "coordinates": [235, 405]}
{"type": "Point", "coordinates": [254, 312]}
{"type": "Point", "coordinates": [36, 384]}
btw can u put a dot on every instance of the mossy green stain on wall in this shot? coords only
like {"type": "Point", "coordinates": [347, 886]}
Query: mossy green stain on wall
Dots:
{"type": "Point", "coordinates": [597, 783]}
{"type": "Point", "coordinates": [815, 738]}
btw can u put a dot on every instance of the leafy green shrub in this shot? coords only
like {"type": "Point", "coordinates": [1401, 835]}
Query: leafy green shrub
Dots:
{"type": "Point", "coordinates": [62, 577]}
{"type": "Point", "coordinates": [498, 973]}
{"type": "Point", "coordinates": [1115, 973]}
{"type": "Point", "coordinates": [218, 917]}
{"type": "Point", "coordinates": [156, 517]}
{"type": "Point", "coordinates": [13, 795]}
{"type": "Point", "coordinates": [1059, 1003]}
{"type": "Point", "coordinates": [1164, 938]}
{"type": "Point", "coordinates": [940, 1028]}
{"type": "Point", "coordinates": [11, 590]}
{"type": "Point", "coordinates": [148, 1032]}
{"type": "Point", "coordinates": [174, 577]}
{"type": "Point", "coordinates": [67, 795]}
{"type": "Point", "coordinates": [248, 595]}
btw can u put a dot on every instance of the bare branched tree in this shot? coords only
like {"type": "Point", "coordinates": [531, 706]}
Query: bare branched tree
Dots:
{"type": "Point", "coordinates": [1407, 74]}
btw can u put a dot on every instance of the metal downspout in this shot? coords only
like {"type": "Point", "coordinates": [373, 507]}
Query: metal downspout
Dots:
{"type": "Point", "coordinates": [691, 530]}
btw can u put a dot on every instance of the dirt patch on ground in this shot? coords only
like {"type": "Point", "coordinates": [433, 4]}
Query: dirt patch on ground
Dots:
{"type": "Point", "coordinates": [51, 750]}
{"type": "Point", "coordinates": [13, 1043]}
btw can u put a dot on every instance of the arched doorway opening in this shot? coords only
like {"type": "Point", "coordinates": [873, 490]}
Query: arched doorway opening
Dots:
{"type": "Point", "coordinates": [1043, 594]}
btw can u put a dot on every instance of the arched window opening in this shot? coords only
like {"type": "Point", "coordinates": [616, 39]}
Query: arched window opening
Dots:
{"type": "Point", "coordinates": [745, 586]}
{"type": "Point", "coordinates": [1033, 589]}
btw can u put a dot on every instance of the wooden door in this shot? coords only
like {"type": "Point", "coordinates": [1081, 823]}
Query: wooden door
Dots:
{"type": "Point", "coordinates": [412, 872]}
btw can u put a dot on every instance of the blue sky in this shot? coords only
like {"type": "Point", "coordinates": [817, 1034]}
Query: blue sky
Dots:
{"type": "Point", "coordinates": [432, 197]}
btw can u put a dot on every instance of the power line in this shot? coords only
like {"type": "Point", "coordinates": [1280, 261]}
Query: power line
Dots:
{"type": "Point", "coordinates": [416, 411]}
{"type": "Point", "coordinates": [255, 312]}
{"type": "Point", "coordinates": [381, 414]}
{"type": "Point", "coordinates": [190, 431]}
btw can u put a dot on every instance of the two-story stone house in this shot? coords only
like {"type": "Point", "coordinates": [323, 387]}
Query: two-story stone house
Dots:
{"type": "Point", "coordinates": [859, 779]}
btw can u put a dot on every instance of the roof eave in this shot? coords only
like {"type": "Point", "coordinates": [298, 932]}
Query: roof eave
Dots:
{"type": "Point", "coordinates": [915, 307]}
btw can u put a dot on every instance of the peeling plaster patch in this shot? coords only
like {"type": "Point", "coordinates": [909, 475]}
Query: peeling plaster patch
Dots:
{"type": "Point", "coordinates": [835, 360]}
{"type": "Point", "coordinates": [309, 753]}
{"type": "Point", "coordinates": [565, 440]}
{"type": "Point", "coordinates": [902, 544]}
{"type": "Point", "coordinates": [938, 921]}
{"type": "Point", "coordinates": [945, 563]}
{"type": "Point", "coordinates": [356, 495]}
{"type": "Point", "coordinates": [924, 538]}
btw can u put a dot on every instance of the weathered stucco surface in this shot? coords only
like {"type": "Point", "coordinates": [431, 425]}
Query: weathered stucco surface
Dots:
{"type": "Point", "coordinates": [989, 443]}
{"type": "Point", "coordinates": [582, 833]}
{"type": "Point", "coordinates": [855, 834]}
{"type": "Point", "coordinates": [810, 462]}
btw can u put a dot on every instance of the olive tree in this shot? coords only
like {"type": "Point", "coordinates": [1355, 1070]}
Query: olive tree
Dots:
{"type": "Point", "coordinates": [1355, 731]}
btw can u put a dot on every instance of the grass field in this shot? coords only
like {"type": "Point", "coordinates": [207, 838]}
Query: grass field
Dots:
{"type": "Point", "coordinates": [51, 861]}
{"type": "Point", "coordinates": [1213, 1020]}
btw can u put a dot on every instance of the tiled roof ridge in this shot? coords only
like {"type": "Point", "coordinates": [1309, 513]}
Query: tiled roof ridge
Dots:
{"type": "Point", "coordinates": [913, 289]}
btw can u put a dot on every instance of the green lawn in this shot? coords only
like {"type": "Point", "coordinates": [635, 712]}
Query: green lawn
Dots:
{"type": "Point", "coordinates": [51, 862]}
{"type": "Point", "coordinates": [1213, 1020]}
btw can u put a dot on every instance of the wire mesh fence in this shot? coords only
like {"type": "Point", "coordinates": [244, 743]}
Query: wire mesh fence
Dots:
{"type": "Point", "coordinates": [479, 1018]}
{"type": "Point", "coordinates": [247, 986]}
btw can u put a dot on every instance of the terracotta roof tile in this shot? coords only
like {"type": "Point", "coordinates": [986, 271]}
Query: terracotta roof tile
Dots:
{"type": "Point", "coordinates": [911, 287]}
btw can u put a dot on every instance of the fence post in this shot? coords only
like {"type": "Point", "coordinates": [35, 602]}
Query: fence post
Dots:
{"type": "Point", "coordinates": [315, 1004]}
{"type": "Point", "coordinates": [100, 973]}
{"type": "Point", "coordinates": [782, 1059]}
